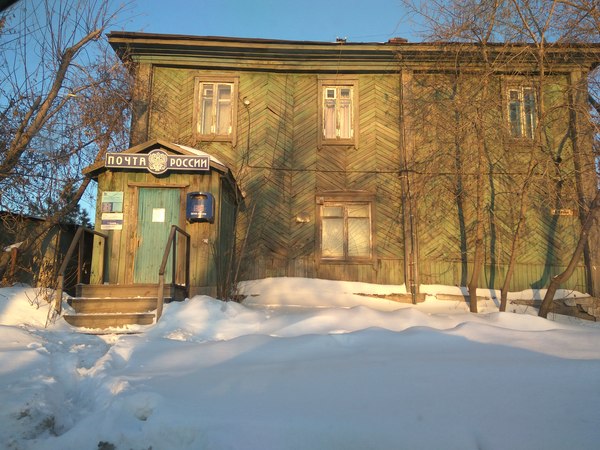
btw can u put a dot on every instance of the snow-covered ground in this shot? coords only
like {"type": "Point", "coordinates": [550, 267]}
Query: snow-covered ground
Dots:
{"type": "Point", "coordinates": [302, 364]}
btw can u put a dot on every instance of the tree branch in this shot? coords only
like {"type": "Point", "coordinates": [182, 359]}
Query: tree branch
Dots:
{"type": "Point", "coordinates": [41, 111]}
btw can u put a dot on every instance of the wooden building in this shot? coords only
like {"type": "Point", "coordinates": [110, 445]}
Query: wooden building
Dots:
{"type": "Point", "coordinates": [165, 230]}
{"type": "Point", "coordinates": [369, 162]}
{"type": "Point", "coordinates": [142, 193]}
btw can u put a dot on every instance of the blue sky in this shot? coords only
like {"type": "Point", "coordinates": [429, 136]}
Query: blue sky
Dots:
{"type": "Point", "coordinates": [310, 20]}
{"type": "Point", "coordinates": [313, 20]}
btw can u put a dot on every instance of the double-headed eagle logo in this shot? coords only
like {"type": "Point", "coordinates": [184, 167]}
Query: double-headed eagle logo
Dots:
{"type": "Point", "coordinates": [157, 162]}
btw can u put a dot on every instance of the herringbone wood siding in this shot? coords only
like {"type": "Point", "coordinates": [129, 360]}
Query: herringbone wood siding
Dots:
{"type": "Point", "coordinates": [166, 116]}
{"type": "Point", "coordinates": [445, 164]}
{"type": "Point", "coordinates": [281, 169]}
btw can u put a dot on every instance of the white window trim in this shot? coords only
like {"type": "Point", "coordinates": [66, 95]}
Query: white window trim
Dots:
{"type": "Point", "coordinates": [346, 199]}
{"type": "Point", "coordinates": [338, 83]}
{"type": "Point", "coordinates": [197, 115]}
{"type": "Point", "coordinates": [525, 132]}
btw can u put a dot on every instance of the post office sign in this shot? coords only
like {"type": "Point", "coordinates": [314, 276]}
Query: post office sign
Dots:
{"type": "Point", "coordinates": [157, 161]}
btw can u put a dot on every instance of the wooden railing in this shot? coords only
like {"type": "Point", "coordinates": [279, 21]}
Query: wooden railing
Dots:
{"type": "Point", "coordinates": [76, 242]}
{"type": "Point", "coordinates": [172, 245]}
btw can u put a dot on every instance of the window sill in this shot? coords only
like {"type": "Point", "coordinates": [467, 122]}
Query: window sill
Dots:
{"type": "Point", "coordinates": [346, 261]}
{"type": "Point", "coordinates": [520, 144]}
{"type": "Point", "coordinates": [214, 138]}
{"type": "Point", "coordinates": [339, 143]}
{"type": "Point", "coordinates": [521, 138]}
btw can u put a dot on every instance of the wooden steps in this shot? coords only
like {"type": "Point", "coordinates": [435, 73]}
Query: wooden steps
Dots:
{"type": "Point", "coordinates": [128, 290]}
{"type": "Point", "coordinates": [113, 305]}
{"type": "Point", "coordinates": [103, 321]}
{"type": "Point", "coordinates": [101, 307]}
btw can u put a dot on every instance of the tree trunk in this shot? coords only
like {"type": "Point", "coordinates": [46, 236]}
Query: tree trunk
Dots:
{"type": "Point", "coordinates": [478, 257]}
{"type": "Point", "coordinates": [479, 238]}
{"type": "Point", "coordinates": [516, 238]}
{"type": "Point", "coordinates": [513, 259]}
{"type": "Point", "coordinates": [564, 276]}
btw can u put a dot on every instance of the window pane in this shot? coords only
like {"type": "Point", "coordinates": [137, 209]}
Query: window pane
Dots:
{"type": "Point", "coordinates": [329, 127]}
{"type": "Point", "coordinates": [207, 107]}
{"type": "Point", "coordinates": [223, 113]}
{"type": "Point", "coordinates": [359, 237]}
{"type": "Point", "coordinates": [346, 230]}
{"type": "Point", "coordinates": [333, 211]}
{"type": "Point", "coordinates": [337, 112]}
{"type": "Point", "coordinates": [223, 125]}
{"type": "Point", "coordinates": [529, 107]}
{"type": "Point", "coordinates": [216, 109]}
{"type": "Point", "coordinates": [514, 114]}
{"type": "Point", "coordinates": [332, 241]}
{"type": "Point", "coordinates": [224, 92]}
{"type": "Point", "coordinates": [358, 210]}
{"type": "Point", "coordinates": [345, 118]}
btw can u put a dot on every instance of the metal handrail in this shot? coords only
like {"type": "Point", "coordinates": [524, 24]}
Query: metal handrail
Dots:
{"type": "Point", "coordinates": [172, 243]}
{"type": "Point", "coordinates": [77, 241]}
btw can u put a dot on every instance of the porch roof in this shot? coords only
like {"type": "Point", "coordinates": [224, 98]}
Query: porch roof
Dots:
{"type": "Point", "coordinates": [99, 166]}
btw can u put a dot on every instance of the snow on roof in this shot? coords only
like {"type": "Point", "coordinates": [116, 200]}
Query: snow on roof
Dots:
{"type": "Point", "coordinates": [199, 153]}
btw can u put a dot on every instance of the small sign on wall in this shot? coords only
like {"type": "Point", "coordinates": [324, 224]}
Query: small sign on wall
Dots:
{"type": "Point", "coordinates": [112, 202]}
{"type": "Point", "coordinates": [562, 212]}
{"type": "Point", "coordinates": [158, 214]}
{"type": "Point", "coordinates": [112, 221]}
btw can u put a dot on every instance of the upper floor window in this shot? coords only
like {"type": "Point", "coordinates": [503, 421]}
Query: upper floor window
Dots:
{"type": "Point", "coordinates": [522, 112]}
{"type": "Point", "coordinates": [215, 109]}
{"type": "Point", "coordinates": [338, 112]}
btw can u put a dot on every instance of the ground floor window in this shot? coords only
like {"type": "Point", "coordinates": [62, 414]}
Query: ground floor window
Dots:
{"type": "Point", "coordinates": [346, 230]}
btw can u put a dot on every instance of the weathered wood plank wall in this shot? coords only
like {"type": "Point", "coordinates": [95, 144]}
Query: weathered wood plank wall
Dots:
{"type": "Point", "coordinates": [279, 165]}
{"type": "Point", "coordinates": [445, 167]}
{"type": "Point", "coordinates": [121, 246]}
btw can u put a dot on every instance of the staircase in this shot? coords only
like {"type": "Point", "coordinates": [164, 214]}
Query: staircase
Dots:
{"type": "Point", "coordinates": [109, 306]}
{"type": "Point", "coordinates": [105, 306]}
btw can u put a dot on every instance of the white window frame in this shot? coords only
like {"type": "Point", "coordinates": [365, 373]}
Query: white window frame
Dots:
{"type": "Point", "coordinates": [200, 112]}
{"type": "Point", "coordinates": [526, 113]}
{"type": "Point", "coordinates": [336, 86]}
{"type": "Point", "coordinates": [345, 201]}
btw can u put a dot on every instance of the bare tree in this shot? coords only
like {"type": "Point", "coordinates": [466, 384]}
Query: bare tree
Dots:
{"type": "Point", "coordinates": [591, 218]}
{"type": "Point", "coordinates": [476, 24]}
{"type": "Point", "coordinates": [63, 103]}
{"type": "Point", "coordinates": [537, 23]}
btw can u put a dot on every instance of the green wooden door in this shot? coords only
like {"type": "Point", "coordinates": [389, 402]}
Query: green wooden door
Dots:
{"type": "Point", "coordinates": [158, 209]}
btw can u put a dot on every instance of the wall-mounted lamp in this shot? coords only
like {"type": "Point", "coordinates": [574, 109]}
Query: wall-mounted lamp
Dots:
{"type": "Point", "coordinates": [246, 101]}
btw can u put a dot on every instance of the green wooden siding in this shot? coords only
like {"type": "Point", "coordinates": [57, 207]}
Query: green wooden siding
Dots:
{"type": "Point", "coordinates": [280, 167]}
{"type": "Point", "coordinates": [445, 164]}
{"type": "Point", "coordinates": [122, 247]}
{"type": "Point", "coordinates": [277, 163]}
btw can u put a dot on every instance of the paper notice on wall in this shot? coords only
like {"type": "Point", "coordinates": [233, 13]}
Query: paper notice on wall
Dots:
{"type": "Point", "coordinates": [112, 202]}
{"type": "Point", "coordinates": [112, 221]}
{"type": "Point", "coordinates": [158, 214]}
